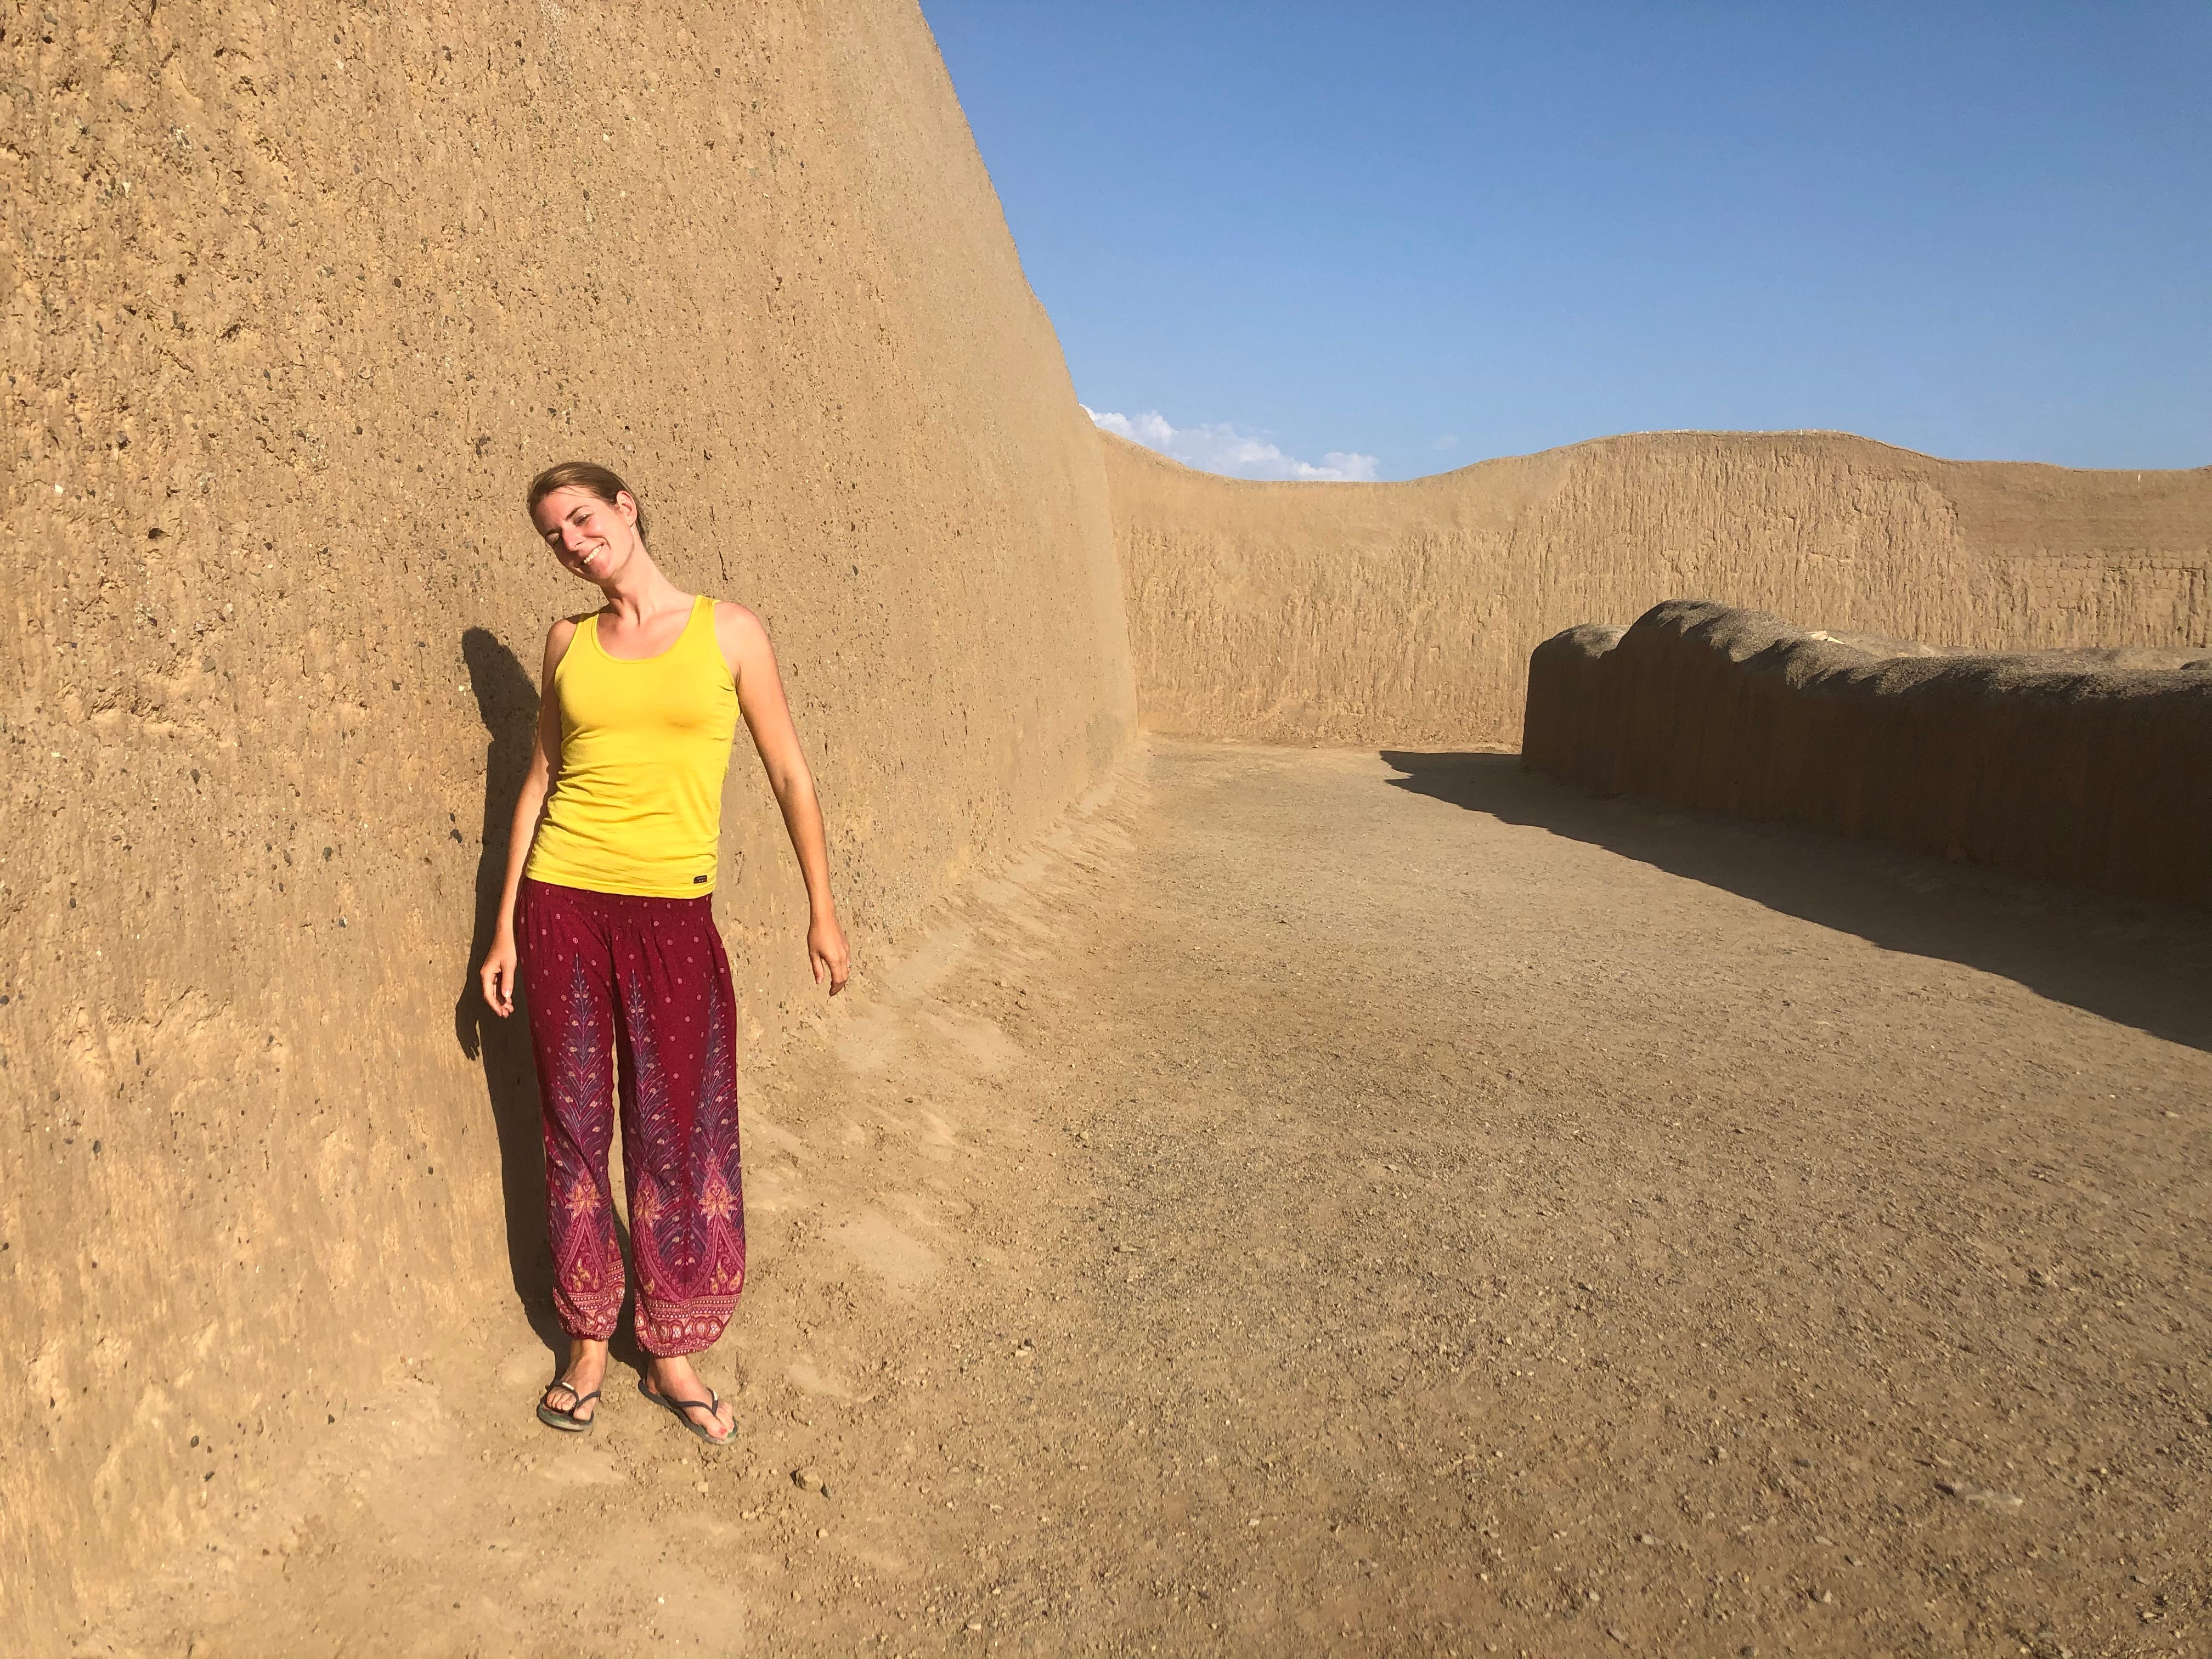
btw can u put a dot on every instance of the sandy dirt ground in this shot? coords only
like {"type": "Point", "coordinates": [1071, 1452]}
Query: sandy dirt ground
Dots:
{"type": "Point", "coordinates": [1333, 1203]}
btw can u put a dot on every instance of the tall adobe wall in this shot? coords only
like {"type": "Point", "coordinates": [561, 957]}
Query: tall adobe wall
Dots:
{"type": "Point", "coordinates": [1404, 613]}
{"type": "Point", "coordinates": [302, 296]}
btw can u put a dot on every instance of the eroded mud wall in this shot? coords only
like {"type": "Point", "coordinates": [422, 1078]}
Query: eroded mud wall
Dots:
{"type": "Point", "coordinates": [301, 296]}
{"type": "Point", "coordinates": [2056, 765]}
{"type": "Point", "coordinates": [1404, 613]}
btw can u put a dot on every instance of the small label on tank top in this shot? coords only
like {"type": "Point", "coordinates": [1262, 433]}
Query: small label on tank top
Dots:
{"type": "Point", "coordinates": [698, 881]}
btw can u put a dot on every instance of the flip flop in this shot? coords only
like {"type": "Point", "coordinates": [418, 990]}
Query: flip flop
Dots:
{"type": "Point", "coordinates": [554, 1417]}
{"type": "Point", "coordinates": [681, 1409]}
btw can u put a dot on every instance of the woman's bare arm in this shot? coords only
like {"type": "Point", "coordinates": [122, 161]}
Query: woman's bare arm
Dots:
{"type": "Point", "coordinates": [746, 647]}
{"type": "Point", "coordinates": [499, 966]}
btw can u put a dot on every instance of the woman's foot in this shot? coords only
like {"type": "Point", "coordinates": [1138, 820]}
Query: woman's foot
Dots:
{"type": "Point", "coordinates": [673, 1379]}
{"type": "Point", "coordinates": [573, 1395]}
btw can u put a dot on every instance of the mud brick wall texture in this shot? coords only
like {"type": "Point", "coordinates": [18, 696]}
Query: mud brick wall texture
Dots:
{"type": "Point", "coordinates": [1404, 613]}
{"type": "Point", "coordinates": [301, 297]}
{"type": "Point", "coordinates": [2093, 768]}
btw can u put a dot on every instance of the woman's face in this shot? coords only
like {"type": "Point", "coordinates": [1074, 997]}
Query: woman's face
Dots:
{"type": "Point", "coordinates": [591, 537]}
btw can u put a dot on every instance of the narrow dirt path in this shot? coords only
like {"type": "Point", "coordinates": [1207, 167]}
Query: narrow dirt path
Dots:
{"type": "Point", "coordinates": [1325, 1205]}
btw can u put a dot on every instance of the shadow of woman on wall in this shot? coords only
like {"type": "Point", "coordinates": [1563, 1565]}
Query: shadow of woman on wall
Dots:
{"type": "Point", "coordinates": [506, 699]}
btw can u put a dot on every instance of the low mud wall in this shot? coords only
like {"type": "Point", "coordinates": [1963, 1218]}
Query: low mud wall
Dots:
{"type": "Point", "coordinates": [301, 296]}
{"type": "Point", "coordinates": [1404, 613]}
{"type": "Point", "coordinates": [2093, 768]}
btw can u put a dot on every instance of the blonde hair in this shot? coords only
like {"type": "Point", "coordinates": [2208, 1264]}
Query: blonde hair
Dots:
{"type": "Point", "coordinates": [590, 477]}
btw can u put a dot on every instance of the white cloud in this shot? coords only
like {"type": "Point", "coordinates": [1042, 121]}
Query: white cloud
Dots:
{"type": "Point", "coordinates": [1450, 440]}
{"type": "Point", "coordinates": [1222, 448]}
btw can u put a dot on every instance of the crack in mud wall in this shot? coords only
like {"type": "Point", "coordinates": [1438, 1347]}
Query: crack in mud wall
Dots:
{"type": "Point", "coordinates": [1404, 613]}
{"type": "Point", "coordinates": [303, 296]}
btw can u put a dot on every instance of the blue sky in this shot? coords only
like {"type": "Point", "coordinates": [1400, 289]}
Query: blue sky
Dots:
{"type": "Point", "coordinates": [1390, 239]}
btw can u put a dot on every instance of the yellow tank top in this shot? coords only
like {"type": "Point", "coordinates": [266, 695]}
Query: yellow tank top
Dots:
{"type": "Point", "coordinates": [637, 805]}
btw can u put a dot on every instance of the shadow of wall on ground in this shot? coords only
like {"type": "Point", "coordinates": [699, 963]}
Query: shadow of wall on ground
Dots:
{"type": "Point", "coordinates": [2142, 965]}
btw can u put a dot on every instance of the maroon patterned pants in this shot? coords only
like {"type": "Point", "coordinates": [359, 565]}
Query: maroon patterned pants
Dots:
{"type": "Point", "coordinates": [637, 989]}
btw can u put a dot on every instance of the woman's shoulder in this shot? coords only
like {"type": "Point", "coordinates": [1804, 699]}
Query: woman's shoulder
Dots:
{"type": "Point", "coordinates": [560, 634]}
{"type": "Point", "coordinates": [734, 621]}
{"type": "Point", "coordinates": [741, 636]}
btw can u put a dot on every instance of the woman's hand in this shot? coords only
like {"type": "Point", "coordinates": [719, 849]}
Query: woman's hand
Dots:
{"type": "Point", "coordinates": [499, 969]}
{"type": "Point", "coordinates": [766, 713]}
{"type": "Point", "coordinates": [825, 949]}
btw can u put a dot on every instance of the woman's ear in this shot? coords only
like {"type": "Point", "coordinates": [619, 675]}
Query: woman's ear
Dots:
{"type": "Point", "coordinates": [626, 504]}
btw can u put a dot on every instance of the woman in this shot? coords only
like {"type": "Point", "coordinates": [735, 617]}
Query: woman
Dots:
{"type": "Point", "coordinates": [606, 910]}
